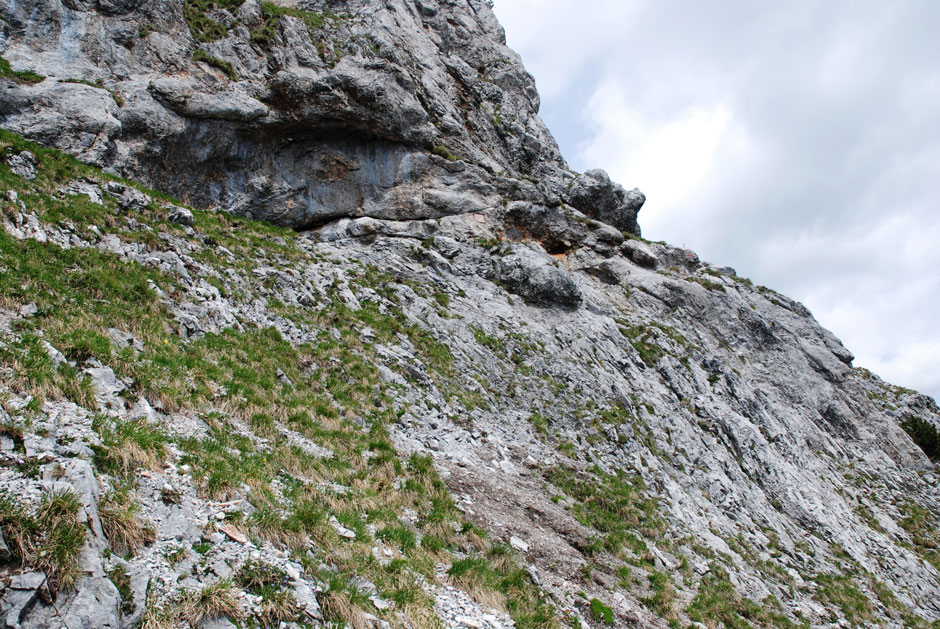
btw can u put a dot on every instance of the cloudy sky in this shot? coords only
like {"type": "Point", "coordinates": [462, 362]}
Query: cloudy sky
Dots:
{"type": "Point", "coordinates": [797, 141]}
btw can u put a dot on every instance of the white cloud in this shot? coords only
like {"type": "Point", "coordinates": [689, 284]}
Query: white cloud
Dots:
{"type": "Point", "coordinates": [797, 142]}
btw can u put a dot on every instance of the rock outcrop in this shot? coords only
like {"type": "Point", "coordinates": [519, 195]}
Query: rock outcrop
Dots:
{"type": "Point", "coordinates": [297, 114]}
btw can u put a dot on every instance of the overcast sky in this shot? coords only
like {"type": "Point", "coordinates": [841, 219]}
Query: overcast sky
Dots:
{"type": "Point", "coordinates": [797, 141]}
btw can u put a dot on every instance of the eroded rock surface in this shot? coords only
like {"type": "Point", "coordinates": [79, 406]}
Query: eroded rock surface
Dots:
{"type": "Point", "coordinates": [394, 110]}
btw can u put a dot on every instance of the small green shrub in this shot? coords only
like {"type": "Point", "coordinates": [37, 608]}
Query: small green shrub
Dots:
{"type": "Point", "coordinates": [442, 151]}
{"type": "Point", "coordinates": [924, 434]}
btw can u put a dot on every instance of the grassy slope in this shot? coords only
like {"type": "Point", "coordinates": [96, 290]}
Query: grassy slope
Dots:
{"type": "Point", "coordinates": [334, 397]}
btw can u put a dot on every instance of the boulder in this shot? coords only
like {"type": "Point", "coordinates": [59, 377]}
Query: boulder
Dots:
{"type": "Point", "coordinates": [537, 278]}
{"type": "Point", "coordinates": [597, 196]}
{"type": "Point", "coordinates": [23, 165]}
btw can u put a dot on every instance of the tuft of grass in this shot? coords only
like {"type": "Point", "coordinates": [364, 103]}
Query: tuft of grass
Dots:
{"type": "Point", "coordinates": [25, 76]}
{"type": "Point", "coordinates": [921, 525]}
{"type": "Point", "coordinates": [642, 338]}
{"type": "Point", "coordinates": [48, 539]}
{"type": "Point", "coordinates": [127, 446]}
{"type": "Point", "coordinates": [271, 15]}
{"type": "Point", "coordinates": [122, 581]}
{"type": "Point", "coordinates": [202, 27]}
{"type": "Point", "coordinates": [400, 535]}
{"type": "Point", "coordinates": [125, 530]}
{"type": "Point", "coordinates": [840, 591]}
{"type": "Point", "coordinates": [338, 606]}
{"type": "Point", "coordinates": [442, 151]}
{"type": "Point", "coordinates": [717, 602]}
{"type": "Point", "coordinates": [601, 612]}
{"type": "Point", "coordinates": [614, 505]}
{"type": "Point", "coordinates": [226, 67]}
{"type": "Point", "coordinates": [663, 595]}
{"type": "Point", "coordinates": [273, 586]}
{"type": "Point", "coordinates": [539, 423]}
{"type": "Point", "coordinates": [709, 284]}
{"type": "Point", "coordinates": [218, 600]}
{"type": "Point", "coordinates": [496, 581]}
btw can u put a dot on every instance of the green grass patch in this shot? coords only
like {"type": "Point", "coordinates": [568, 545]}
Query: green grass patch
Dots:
{"type": "Point", "coordinates": [49, 538]}
{"type": "Point", "coordinates": [601, 612]}
{"type": "Point", "coordinates": [615, 505]}
{"type": "Point", "coordinates": [25, 76]}
{"type": "Point", "coordinates": [202, 27]}
{"type": "Point", "coordinates": [643, 340]}
{"type": "Point", "coordinates": [442, 151]}
{"type": "Point", "coordinates": [225, 66]}
{"type": "Point", "coordinates": [271, 15]}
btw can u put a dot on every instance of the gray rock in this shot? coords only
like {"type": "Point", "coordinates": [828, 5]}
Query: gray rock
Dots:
{"type": "Point", "coordinates": [23, 165]}
{"type": "Point", "coordinates": [94, 603]}
{"type": "Point", "coordinates": [640, 253]}
{"type": "Point", "coordinates": [85, 188]}
{"type": "Point", "coordinates": [20, 596]}
{"type": "Point", "coordinates": [27, 581]}
{"type": "Point", "coordinates": [597, 196]}
{"type": "Point", "coordinates": [307, 600]}
{"type": "Point", "coordinates": [123, 340]}
{"type": "Point", "coordinates": [537, 278]}
{"type": "Point", "coordinates": [179, 215]}
{"type": "Point", "coordinates": [4, 549]}
{"type": "Point", "coordinates": [129, 198]}
{"type": "Point", "coordinates": [107, 386]}
{"type": "Point", "coordinates": [558, 229]}
{"type": "Point", "coordinates": [361, 120]}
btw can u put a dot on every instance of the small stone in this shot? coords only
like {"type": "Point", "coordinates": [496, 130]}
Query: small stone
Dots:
{"type": "Point", "coordinates": [28, 310]}
{"type": "Point", "coordinates": [234, 534]}
{"type": "Point", "coordinates": [518, 544]}
{"type": "Point", "coordinates": [222, 569]}
{"type": "Point", "coordinates": [380, 603]}
{"type": "Point", "coordinates": [4, 549]}
{"type": "Point", "coordinates": [27, 581]}
{"type": "Point", "coordinates": [341, 530]}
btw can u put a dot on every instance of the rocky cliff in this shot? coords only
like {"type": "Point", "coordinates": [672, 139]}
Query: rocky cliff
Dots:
{"type": "Point", "coordinates": [366, 352]}
{"type": "Point", "coordinates": [296, 114]}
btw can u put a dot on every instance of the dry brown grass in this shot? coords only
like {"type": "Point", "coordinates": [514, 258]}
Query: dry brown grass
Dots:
{"type": "Point", "coordinates": [420, 617]}
{"type": "Point", "coordinates": [126, 532]}
{"type": "Point", "coordinates": [337, 606]}
{"type": "Point", "coordinates": [213, 601]}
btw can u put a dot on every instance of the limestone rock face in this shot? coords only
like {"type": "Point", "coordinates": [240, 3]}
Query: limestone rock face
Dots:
{"type": "Point", "coordinates": [626, 422]}
{"type": "Point", "coordinates": [316, 111]}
